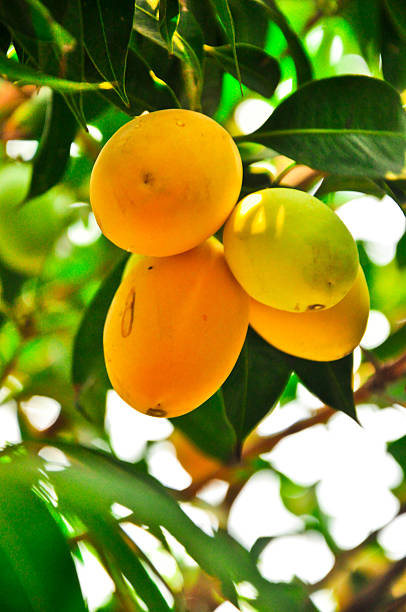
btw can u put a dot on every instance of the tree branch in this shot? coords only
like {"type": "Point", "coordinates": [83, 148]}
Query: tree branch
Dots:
{"type": "Point", "coordinates": [343, 557]}
{"type": "Point", "coordinates": [375, 592]}
{"type": "Point", "coordinates": [383, 376]}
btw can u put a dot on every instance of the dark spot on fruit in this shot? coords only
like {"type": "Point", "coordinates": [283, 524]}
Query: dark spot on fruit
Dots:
{"type": "Point", "coordinates": [315, 307]}
{"type": "Point", "coordinates": [147, 178]}
{"type": "Point", "coordinates": [128, 315]}
{"type": "Point", "coordinates": [156, 412]}
{"type": "Point", "coordinates": [150, 267]}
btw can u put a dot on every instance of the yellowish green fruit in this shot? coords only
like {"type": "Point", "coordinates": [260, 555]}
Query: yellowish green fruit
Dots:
{"type": "Point", "coordinates": [28, 230]}
{"type": "Point", "coordinates": [321, 335]}
{"type": "Point", "coordinates": [290, 251]}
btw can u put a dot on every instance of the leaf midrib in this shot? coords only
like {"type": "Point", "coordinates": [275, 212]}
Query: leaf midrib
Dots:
{"type": "Point", "coordinates": [322, 131]}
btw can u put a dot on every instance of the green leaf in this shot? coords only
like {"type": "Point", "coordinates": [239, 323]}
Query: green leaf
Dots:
{"type": "Point", "coordinates": [58, 9]}
{"type": "Point", "coordinates": [393, 51]}
{"type": "Point", "coordinates": [303, 66]}
{"type": "Point", "coordinates": [393, 346]}
{"type": "Point", "coordinates": [334, 182]}
{"type": "Point", "coordinates": [52, 157]}
{"type": "Point", "coordinates": [28, 18]}
{"type": "Point", "coordinates": [259, 546]}
{"type": "Point", "coordinates": [168, 20]}
{"type": "Point", "coordinates": [187, 41]}
{"type": "Point", "coordinates": [330, 381]}
{"type": "Point", "coordinates": [5, 39]}
{"type": "Point", "coordinates": [351, 125]}
{"type": "Point", "coordinates": [88, 342]}
{"type": "Point", "coordinates": [107, 26]}
{"type": "Point", "coordinates": [13, 71]}
{"type": "Point", "coordinates": [398, 451]}
{"type": "Point", "coordinates": [397, 13]}
{"type": "Point", "coordinates": [259, 71]}
{"type": "Point", "coordinates": [38, 573]}
{"type": "Point", "coordinates": [365, 20]}
{"type": "Point", "coordinates": [251, 22]}
{"type": "Point", "coordinates": [225, 18]}
{"type": "Point", "coordinates": [401, 252]}
{"type": "Point", "coordinates": [290, 391]}
{"type": "Point", "coordinates": [255, 384]}
{"type": "Point", "coordinates": [107, 536]}
{"type": "Point", "coordinates": [144, 90]}
{"type": "Point", "coordinates": [93, 475]}
{"type": "Point", "coordinates": [209, 428]}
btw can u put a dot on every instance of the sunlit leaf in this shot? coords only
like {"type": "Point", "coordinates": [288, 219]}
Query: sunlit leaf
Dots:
{"type": "Point", "coordinates": [14, 71]}
{"type": "Point", "coordinates": [107, 535]}
{"type": "Point", "coordinates": [94, 476]}
{"type": "Point", "coordinates": [37, 569]}
{"type": "Point", "coordinates": [350, 125]}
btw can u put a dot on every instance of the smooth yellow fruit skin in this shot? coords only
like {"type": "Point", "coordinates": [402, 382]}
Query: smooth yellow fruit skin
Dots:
{"type": "Point", "coordinates": [320, 335]}
{"type": "Point", "coordinates": [165, 182]}
{"type": "Point", "coordinates": [290, 251]}
{"type": "Point", "coordinates": [174, 330]}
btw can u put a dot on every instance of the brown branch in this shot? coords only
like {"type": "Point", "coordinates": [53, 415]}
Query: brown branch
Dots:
{"type": "Point", "coordinates": [375, 592]}
{"type": "Point", "coordinates": [383, 376]}
{"type": "Point", "coordinates": [396, 604]}
{"type": "Point", "coordinates": [343, 557]}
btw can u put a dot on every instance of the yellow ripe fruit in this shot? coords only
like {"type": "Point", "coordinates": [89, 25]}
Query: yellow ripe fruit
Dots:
{"type": "Point", "coordinates": [290, 251]}
{"type": "Point", "coordinates": [321, 335]}
{"type": "Point", "coordinates": [174, 330]}
{"type": "Point", "coordinates": [165, 182]}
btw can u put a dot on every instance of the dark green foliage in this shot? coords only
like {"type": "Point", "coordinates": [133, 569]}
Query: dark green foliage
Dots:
{"type": "Point", "coordinates": [325, 121]}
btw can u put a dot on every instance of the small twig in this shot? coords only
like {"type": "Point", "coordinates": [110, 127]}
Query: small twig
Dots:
{"type": "Point", "coordinates": [376, 384]}
{"type": "Point", "coordinates": [374, 593]}
{"type": "Point", "coordinates": [397, 604]}
{"type": "Point", "coordinates": [139, 553]}
{"type": "Point", "coordinates": [345, 555]}
{"type": "Point", "coordinates": [284, 172]}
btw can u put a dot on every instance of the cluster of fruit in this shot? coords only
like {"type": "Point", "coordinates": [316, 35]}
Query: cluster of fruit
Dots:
{"type": "Point", "coordinates": [160, 188]}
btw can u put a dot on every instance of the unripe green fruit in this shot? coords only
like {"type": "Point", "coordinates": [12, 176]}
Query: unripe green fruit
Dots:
{"type": "Point", "coordinates": [28, 230]}
{"type": "Point", "coordinates": [290, 251]}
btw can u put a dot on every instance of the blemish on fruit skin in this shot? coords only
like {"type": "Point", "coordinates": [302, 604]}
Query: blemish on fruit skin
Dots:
{"type": "Point", "coordinates": [315, 307]}
{"type": "Point", "coordinates": [147, 178]}
{"type": "Point", "coordinates": [128, 315]}
{"type": "Point", "coordinates": [150, 268]}
{"type": "Point", "coordinates": [205, 317]}
{"type": "Point", "coordinates": [156, 412]}
{"type": "Point", "coordinates": [180, 123]}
